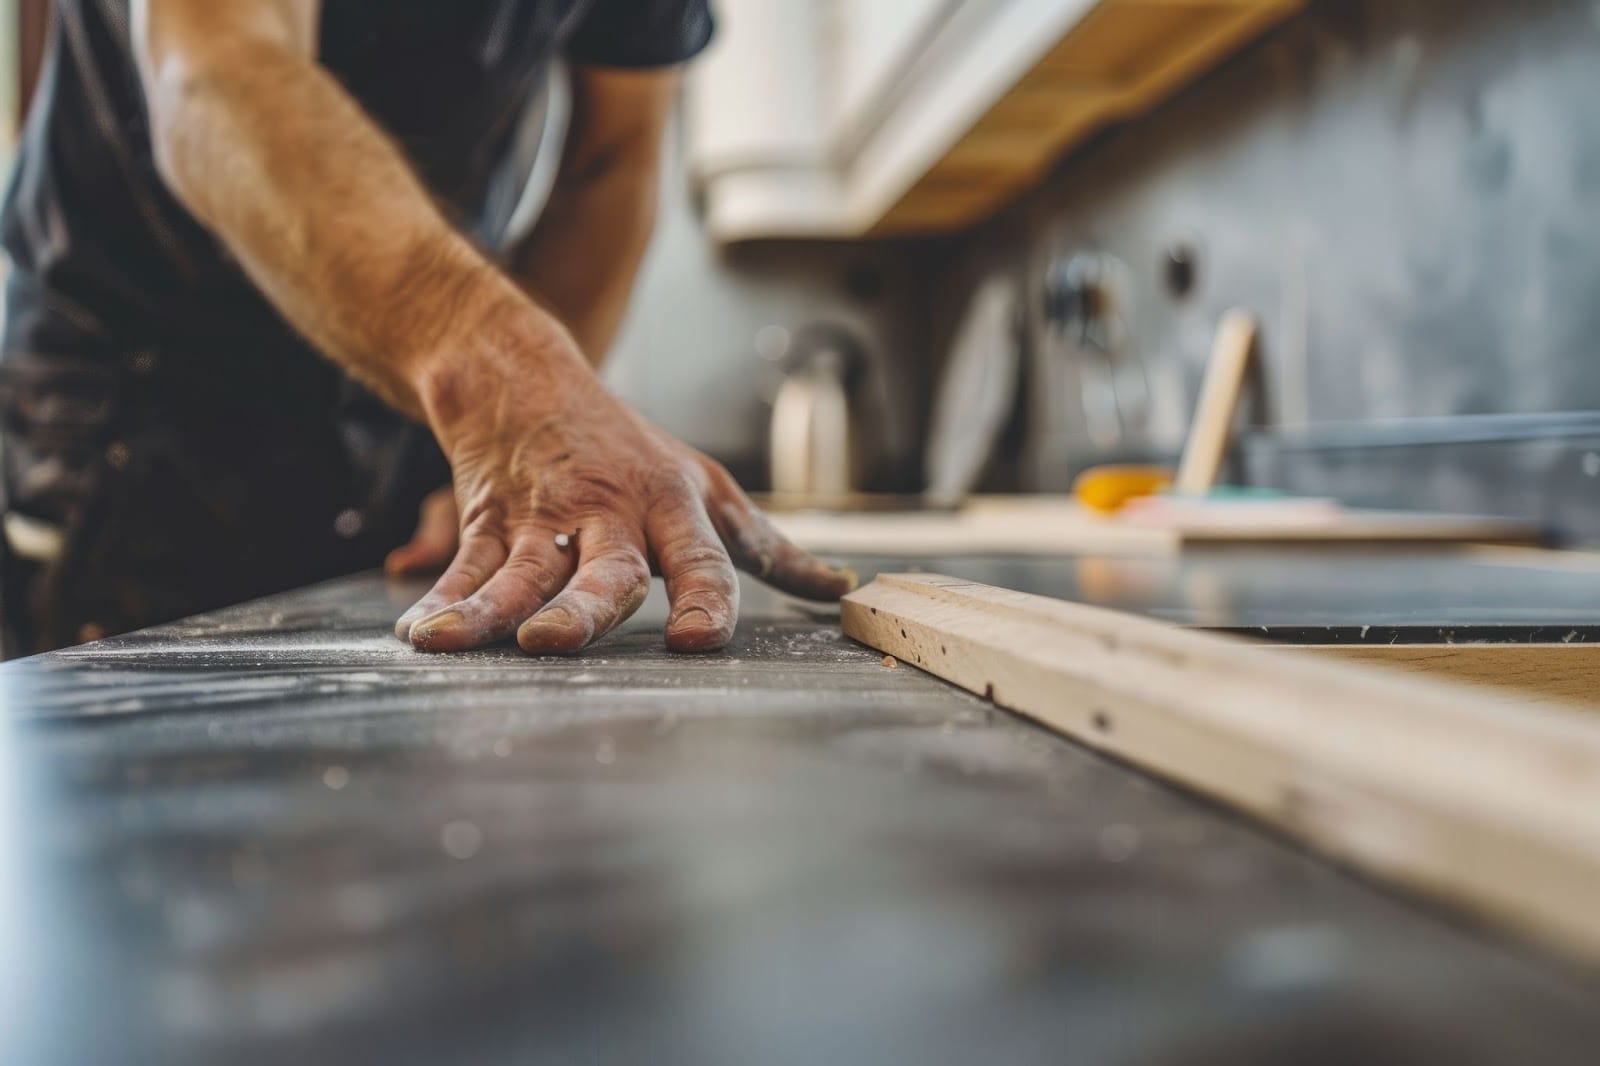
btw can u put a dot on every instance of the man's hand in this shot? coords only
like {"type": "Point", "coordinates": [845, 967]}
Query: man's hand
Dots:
{"type": "Point", "coordinates": [267, 150]}
{"type": "Point", "coordinates": [568, 500]}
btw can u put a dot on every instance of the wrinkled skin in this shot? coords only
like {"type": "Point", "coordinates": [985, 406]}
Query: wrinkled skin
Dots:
{"type": "Point", "coordinates": [631, 500]}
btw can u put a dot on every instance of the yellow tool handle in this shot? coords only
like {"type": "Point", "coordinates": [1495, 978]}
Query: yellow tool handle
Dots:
{"type": "Point", "coordinates": [1107, 488]}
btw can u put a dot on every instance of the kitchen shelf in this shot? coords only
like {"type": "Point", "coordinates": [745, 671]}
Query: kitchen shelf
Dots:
{"type": "Point", "coordinates": [968, 107]}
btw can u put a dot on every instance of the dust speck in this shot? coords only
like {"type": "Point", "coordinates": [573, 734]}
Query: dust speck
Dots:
{"type": "Point", "coordinates": [461, 840]}
{"type": "Point", "coordinates": [1118, 842]}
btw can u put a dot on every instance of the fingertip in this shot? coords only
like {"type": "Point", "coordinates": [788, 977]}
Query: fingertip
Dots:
{"type": "Point", "coordinates": [821, 582]}
{"type": "Point", "coordinates": [443, 631]}
{"type": "Point", "coordinates": [695, 630]}
{"type": "Point", "coordinates": [554, 631]}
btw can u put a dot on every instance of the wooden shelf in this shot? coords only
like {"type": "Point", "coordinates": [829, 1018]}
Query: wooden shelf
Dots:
{"type": "Point", "coordinates": [1124, 57]}
{"type": "Point", "coordinates": [995, 94]}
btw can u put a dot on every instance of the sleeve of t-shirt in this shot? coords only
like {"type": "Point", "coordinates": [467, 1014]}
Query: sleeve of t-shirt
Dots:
{"type": "Point", "coordinates": [641, 33]}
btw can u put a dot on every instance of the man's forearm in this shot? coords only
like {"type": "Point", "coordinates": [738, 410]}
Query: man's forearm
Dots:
{"type": "Point", "coordinates": [268, 151]}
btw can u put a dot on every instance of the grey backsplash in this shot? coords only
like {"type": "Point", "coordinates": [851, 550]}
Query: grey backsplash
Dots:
{"type": "Point", "coordinates": [688, 353]}
{"type": "Point", "coordinates": [1408, 193]}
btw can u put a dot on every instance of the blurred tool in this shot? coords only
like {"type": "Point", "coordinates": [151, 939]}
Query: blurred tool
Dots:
{"type": "Point", "coordinates": [978, 393]}
{"type": "Point", "coordinates": [815, 437]}
{"type": "Point", "coordinates": [1107, 488]}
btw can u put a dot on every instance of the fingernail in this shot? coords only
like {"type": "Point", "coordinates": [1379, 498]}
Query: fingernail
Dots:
{"type": "Point", "coordinates": [554, 624]}
{"type": "Point", "coordinates": [429, 627]}
{"type": "Point", "coordinates": [692, 618]}
{"type": "Point", "coordinates": [696, 631]}
{"type": "Point", "coordinates": [852, 579]}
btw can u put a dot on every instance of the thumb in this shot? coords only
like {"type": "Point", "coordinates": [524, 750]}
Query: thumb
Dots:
{"type": "Point", "coordinates": [434, 543]}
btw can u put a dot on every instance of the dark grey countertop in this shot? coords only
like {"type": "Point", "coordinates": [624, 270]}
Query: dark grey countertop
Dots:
{"type": "Point", "coordinates": [276, 833]}
{"type": "Point", "coordinates": [1308, 596]}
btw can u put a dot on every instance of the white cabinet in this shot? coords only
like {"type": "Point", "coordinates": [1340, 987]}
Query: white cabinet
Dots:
{"type": "Point", "coordinates": [873, 47]}
{"type": "Point", "coordinates": [840, 118]}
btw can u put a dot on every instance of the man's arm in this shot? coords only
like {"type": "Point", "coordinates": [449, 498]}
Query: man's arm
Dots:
{"type": "Point", "coordinates": [581, 259]}
{"type": "Point", "coordinates": [566, 497]}
{"type": "Point", "coordinates": [265, 148]}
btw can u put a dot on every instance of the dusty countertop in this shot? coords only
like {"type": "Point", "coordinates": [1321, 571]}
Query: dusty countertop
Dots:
{"type": "Point", "coordinates": [275, 830]}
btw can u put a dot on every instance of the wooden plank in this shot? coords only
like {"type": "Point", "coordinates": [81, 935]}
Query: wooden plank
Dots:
{"type": "Point", "coordinates": [1212, 425]}
{"type": "Point", "coordinates": [1052, 525]}
{"type": "Point", "coordinates": [1354, 526]}
{"type": "Point", "coordinates": [1022, 530]}
{"type": "Point", "coordinates": [1558, 674]}
{"type": "Point", "coordinates": [1122, 59]}
{"type": "Point", "coordinates": [1490, 805]}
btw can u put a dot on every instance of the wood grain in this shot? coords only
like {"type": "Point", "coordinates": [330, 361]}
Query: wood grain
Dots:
{"type": "Point", "coordinates": [1491, 805]}
{"type": "Point", "coordinates": [1563, 674]}
{"type": "Point", "coordinates": [1212, 425]}
{"type": "Point", "coordinates": [1123, 58]}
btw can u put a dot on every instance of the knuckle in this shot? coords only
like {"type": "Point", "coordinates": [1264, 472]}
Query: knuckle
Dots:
{"type": "Point", "coordinates": [636, 572]}
{"type": "Point", "coordinates": [621, 568]}
{"type": "Point", "coordinates": [469, 571]}
{"type": "Point", "coordinates": [754, 540]}
{"type": "Point", "coordinates": [719, 479]}
{"type": "Point", "coordinates": [700, 556]}
{"type": "Point", "coordinates": [670, 483]}
{"type": "Point", "coordinates": [582, 604]}
{"type": "Point", "coordinates": [530, 573]}
{"type": "Point", "coordinates": [483, 517]}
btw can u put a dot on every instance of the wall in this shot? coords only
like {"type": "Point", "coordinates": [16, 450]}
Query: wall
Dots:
{"type": "Point", "coordinates": [688, 355]}
{"type": "Point", "coordinates": [1408, 192]}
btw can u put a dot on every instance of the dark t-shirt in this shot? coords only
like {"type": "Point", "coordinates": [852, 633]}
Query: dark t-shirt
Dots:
{"type": "Point", "coordinates": [96, 238]}
{"type": "Point", "coordinates": [140, 371]}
